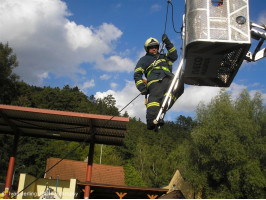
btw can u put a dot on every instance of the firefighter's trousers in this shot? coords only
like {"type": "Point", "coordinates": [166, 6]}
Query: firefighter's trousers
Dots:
{"type": "Point", "coordinates": [157, 91]}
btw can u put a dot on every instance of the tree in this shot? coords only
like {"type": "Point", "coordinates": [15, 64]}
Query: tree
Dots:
{"type": "Point", "coordinates": [125, 114]}
{"type": "Point", "coordinates": [107, 106]}
{"type": "Point", "coordinates": [132, 176]}
{"type": "Point", "coordinates": [228, 144]}
{"type": "Point", "coordinates": [185, 122]}
{"type": "Point", "coordinates": [8, 61]}
{"type": "Point", "coordinates": [8, 91]}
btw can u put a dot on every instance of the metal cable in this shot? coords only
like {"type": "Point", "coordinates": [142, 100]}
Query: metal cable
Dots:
{"type": "Point", "coordinates": [173, 24]}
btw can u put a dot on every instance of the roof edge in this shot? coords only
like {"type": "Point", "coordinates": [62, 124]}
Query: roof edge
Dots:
{"type": "Point", "coordinates": [64, 113]}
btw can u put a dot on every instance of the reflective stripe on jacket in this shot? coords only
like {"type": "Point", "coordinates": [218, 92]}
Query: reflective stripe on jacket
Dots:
{"type": "Point", "coordinates": [155, 67]}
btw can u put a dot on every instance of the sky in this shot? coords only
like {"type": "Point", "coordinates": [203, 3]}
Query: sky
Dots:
{"type": "Point", "coordinates": [95, 45]}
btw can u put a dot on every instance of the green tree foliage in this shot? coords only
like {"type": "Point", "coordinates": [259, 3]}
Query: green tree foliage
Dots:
{"type": "Point", "coordinates": [229, 148]}
{"type": "Point", "coordinates": [151, 154]}
{"type": "Point", "coordinates": [5, 143]}
{"type": "Point", "coordinates": [8, 61]}
{"type": "Point", "coordinates": [107, 106]}
{"type": "Point", "coordinates": [221, 153]}
{"type": "Point", "coordinates": [133, 177]}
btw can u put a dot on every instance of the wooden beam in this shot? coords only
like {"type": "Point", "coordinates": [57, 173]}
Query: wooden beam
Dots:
{"type": "Point", "coordinates": [91, 191]}
{"type": "Point", "coordinates": [120, 194]}
{"type": "Point", "coordinates": [152, 196]}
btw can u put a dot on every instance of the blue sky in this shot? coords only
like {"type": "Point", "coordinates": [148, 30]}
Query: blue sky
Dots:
{"type": "Point", "coordinates": [95, 44]}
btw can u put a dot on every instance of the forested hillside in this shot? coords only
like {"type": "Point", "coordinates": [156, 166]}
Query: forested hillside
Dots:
{"type": "Point", "coordinates": [222, 152]}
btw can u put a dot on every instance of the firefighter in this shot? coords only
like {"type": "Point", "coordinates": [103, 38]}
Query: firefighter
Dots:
{"type": "Point", "coordinates": [158, 72]}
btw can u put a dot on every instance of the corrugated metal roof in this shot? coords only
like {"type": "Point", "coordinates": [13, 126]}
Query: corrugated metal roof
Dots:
{"type": "Point", "coordinates": [62, 125]}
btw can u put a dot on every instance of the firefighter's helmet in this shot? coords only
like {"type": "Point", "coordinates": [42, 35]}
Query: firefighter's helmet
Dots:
{"type": "Point", "coordinates": [151, 42]}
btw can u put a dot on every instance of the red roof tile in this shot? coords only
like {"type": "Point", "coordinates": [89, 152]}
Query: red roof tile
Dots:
{"type": "Point", "coordinates": [67, 169]}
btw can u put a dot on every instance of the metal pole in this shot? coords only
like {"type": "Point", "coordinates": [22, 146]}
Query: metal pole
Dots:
{"type": "Point", "coordinates": [57, 179]}
{"type": "Point", "coordinates": [22, 166]}
{"type": "Point", "coordinates": [11, 167]}
{"type": "Point", "coordinates": [101, 154]}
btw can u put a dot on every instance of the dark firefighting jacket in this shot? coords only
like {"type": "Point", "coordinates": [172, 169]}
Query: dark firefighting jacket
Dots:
{"type": "Point", "coordinates": [155, 67]}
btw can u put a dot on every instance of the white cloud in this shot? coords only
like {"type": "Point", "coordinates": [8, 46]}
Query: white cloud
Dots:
{"type": "Point", "coordinates": [192, 96]}
{"type": "Point", "coordinates": [236, 89]}
{"type": "Point", "coordinates": [105, 77]}
{"type": "Point", "coordinates": [123, 97]}
{"type": "Point", "coordinates": [113, 85]}
{"type": "Point", "coordinates": [187, 103]}
{"type": "Point", "coordinates": [44, 75]}
{"type": "Point", "coordinates": [116, 63]}
{"type": "Point", "coordinates": [45, 41]}
{"type": "Point", "coordinates": [78, 36]}
{"type": "Point", "coordinates": [101, 95]}
{"type": "Point", "coordinates": [88, 84]}
{"type": "Point", "coordinates": [108, 32]}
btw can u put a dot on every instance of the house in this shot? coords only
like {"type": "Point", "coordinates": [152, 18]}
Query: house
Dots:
{"type": "Point", "coordinates": [101, 174]}
{"type": "Point", "coordinates": [68, 179]}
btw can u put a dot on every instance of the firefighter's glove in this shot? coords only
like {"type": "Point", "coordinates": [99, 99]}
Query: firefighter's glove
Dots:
{"type": "Point", "coordinates": [145, 91]}
{"type": "Point", "coordinates": [165, 39]}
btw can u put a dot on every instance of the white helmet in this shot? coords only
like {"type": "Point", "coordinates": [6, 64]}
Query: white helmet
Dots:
{"type": "Point", "coordinates": [151, 42]}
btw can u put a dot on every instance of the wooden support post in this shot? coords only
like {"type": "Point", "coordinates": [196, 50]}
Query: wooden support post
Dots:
{"type": "Point", "coordinates": [11, 167]}
{"type": "Point", "coordinates": [89, 171]}
{"type": "Point", "coordinates": [90, 191]}
{"type": "Point", "coordinates": [152, 196]}
{"type": "Point", "coordinates": [90, 162]}
{"type": "Point", "coordinates": [120, 194]}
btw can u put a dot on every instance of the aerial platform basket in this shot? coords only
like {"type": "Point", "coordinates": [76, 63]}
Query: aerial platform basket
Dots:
{"type": "Point", "coordinates": [217, 39]}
